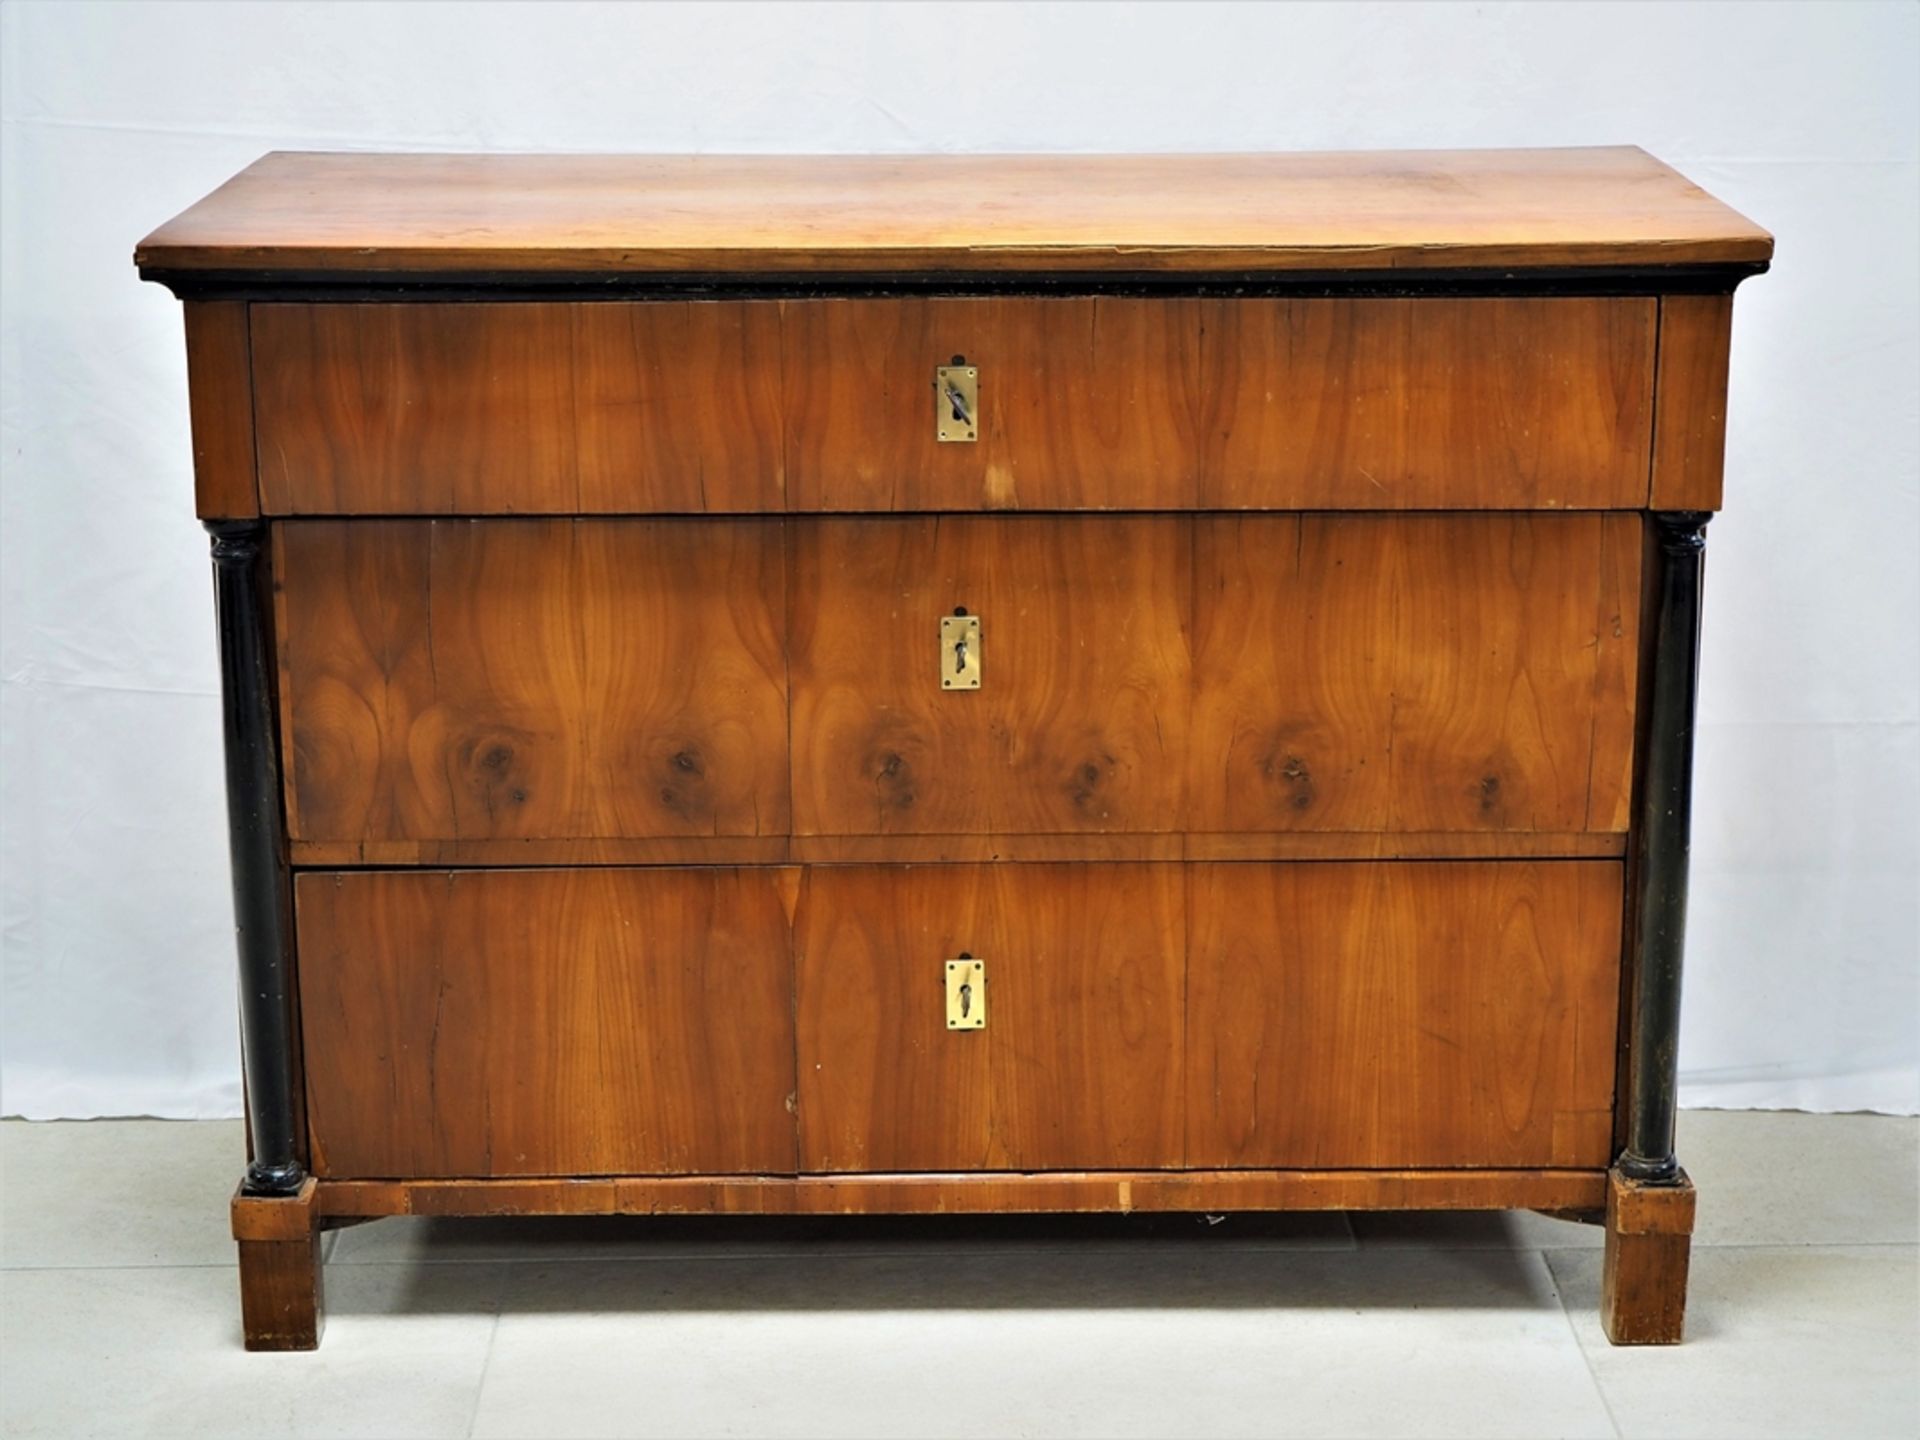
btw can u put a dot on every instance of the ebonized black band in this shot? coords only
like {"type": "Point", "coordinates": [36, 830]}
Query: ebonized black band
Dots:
{"type": "Point", "coordinates": [376, 287]}
{"type": "Point", "coordinates": [1664, 824]}
{"type": "Point", "coordinates": [261, 907]}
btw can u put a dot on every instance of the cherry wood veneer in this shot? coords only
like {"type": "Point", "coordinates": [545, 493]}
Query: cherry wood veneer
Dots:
{"type": "Point", "coordinates": [1417, 674]}
{"type": "Point", "coordinates": [621, 1021]}
{"type": "Point", "coordinates": [220, 387]}
{"type": "Point", "coordinates": [1127, 1191]}
{"type": "Point", "coordinates": [1081, 721]}
{"type": "Point", "coordinates": [291, 215]}
{"type": "Point", "coordinates": [1080, 1065]}
{"type": "Point", "coordinates": [533, 680]}
{"type": "Point", "coordinates": [544, 409]}
{"type": "Point", "coordinates": [1383, 1016]}
{"type": "Point", "coordinates": [548, 1022]}
{"type": "Point", "coordinates": [1690, 443]}
{"type": "Point", "coordinates": [600, 691]}
{"type": "Point", "coordinates": [1099, 402]}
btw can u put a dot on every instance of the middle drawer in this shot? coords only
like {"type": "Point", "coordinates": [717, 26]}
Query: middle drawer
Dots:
{"type": "Point", "coordinates": [524, 691]}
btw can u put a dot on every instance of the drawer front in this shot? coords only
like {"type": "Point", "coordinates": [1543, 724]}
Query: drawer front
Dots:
{"type": "Point", "coordinates": [1401, 1015]}
{"type": "Point", "coordinates": [1217, 676]}
{"type": "Point", "coordinates": [1084, 403]}
{"type": "Point", "coordinates": [539, 691]}
{"type": "Point", "coordinates": [528, 680]}
{"type": "Point", "coordinates": [547, 1022]}
{"type": "Point", "coordinates": [1080, 721]}
{"type": "Point", "coordinates": [1079, 1063]}
{"type": "Point", "coordinates": [1353, 1015]}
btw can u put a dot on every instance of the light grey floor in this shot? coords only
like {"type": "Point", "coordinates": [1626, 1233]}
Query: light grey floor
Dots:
{"type": "Point", "coordinates": [120, 1313]}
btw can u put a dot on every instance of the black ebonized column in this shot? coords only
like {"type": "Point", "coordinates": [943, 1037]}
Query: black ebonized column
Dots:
{"type": "Point", "coordinates": [260, 899]}
{"type": "Point", "coordinates": [1664, 822]}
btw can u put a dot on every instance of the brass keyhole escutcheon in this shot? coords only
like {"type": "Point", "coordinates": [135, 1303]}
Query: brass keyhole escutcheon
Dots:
{"type": "Point", "coordinates": [967, 993]}
{"type": "Point", "coordinates": [956, 403]}
{"type": "Point", "coordinates": [960, 651]}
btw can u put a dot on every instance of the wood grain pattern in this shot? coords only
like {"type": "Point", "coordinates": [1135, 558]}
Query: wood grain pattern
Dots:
{"type": "Point", "coordinates": [532, 680]}
{"type": "Point", "coordinates": [1084, 404]}
{"type": "Point", "coordinates": [557, 1022]}
{"type": "Point", "coordinates": [1411, 404]}
{"type": "Point", "coordinates": [530, 408]}
{"type": "Point", "coordinates": [282, 1294]}
{"type": "Point", "coordinates": [1690, 407]}
{"type": "Point", "coordinates": [1140, 1191]}
{"type": "Point", "coordinates": [827, 405]}
{"type": "Point", "coordinates": [1080, 1061]}
{"type": "Point", "coordinates": [220, 404]}
{"type": "Point", "coordinates": [1499, 626]}
{"type": "Point", "coordinates": [948, 214]}
{"type": "Point", "coordinates": [1080, 723]}
{"type": "Point", "coordinates": [1402, 1015]}
{"type": "Point", "coordinates": [1616, 674]}
{"type": "Point", "coordinates": [1412, 673]}
{"type": "Point", "coordinates": [603, 685]}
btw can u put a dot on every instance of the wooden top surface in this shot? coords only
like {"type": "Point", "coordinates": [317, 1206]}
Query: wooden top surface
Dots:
{"type": "Point", "coordinates": [500, 215]}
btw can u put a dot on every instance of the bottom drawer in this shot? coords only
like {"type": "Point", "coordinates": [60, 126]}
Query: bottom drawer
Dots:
{"type": "Point", "coordinates": [547, 1022]}
{"type": "Point", "coordinates": [1325, 1015]}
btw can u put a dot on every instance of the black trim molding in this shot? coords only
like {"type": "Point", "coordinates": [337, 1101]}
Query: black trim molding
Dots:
{"type": "Point", "coordinates": [385, 286]}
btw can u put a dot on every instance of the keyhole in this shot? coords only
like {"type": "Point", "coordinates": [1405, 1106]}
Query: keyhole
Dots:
{"type": "Point", "coordinates": [960, 657]}
{"type": "Point", "coordinates": [966, 1001]}
{"type": "Point", "coordinates": [958, 403]}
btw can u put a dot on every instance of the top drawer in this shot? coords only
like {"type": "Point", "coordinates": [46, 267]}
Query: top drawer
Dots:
{"type": "Point", "coordinates": [829, 405]}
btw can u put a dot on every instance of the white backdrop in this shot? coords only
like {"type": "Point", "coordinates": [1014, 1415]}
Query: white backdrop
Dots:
{"type": "Point", "coordinates": [1801, 987]}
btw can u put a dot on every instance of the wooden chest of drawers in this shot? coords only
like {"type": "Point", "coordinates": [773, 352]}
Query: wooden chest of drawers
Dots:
{"type": "Point", "coordinates": [812, 685]}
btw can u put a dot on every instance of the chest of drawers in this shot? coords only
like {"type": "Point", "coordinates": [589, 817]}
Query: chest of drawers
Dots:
{"type": "Point", "coordinates": [856, 685]}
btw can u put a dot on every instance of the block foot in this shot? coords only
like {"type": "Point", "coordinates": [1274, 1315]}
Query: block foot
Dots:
{"type": "Point", "coordinates": [280, 1291]}
{"type": "Point", "coordinates": [1643, 1280]}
